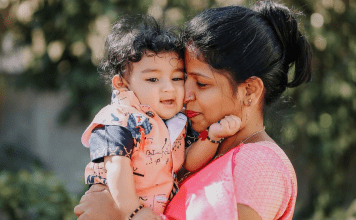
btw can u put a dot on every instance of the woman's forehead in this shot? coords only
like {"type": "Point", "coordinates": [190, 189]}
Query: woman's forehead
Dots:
{"type": "Point", "coordinates": [195, 66]}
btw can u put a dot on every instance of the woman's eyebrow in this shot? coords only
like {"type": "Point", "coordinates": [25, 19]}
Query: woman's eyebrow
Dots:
{"type": "Point", "coordinates": [198, 74]}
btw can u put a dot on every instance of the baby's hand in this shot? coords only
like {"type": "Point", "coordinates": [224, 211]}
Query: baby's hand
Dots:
{"type": "Point", "coordinates": [228, 126]}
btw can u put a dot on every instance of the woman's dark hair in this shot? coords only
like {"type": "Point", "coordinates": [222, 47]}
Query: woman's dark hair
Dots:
{"type": "Point", "coordinates": [130, 38]}
{"type": "Point", "coordinates": [263, 41]}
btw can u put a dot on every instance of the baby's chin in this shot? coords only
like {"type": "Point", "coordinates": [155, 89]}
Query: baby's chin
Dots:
{"type": "Point", "coordinates": [167, 116]}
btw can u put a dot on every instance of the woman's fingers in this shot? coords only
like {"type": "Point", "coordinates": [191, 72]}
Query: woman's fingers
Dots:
{"type": "Point", "coordinates": [97, 205]}
{"type": "Point", "coordinates": [97, 188]}
{"type": "Point", "coordinates": [78, 209]}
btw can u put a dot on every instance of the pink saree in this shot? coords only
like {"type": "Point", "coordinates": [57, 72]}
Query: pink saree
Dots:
{"type": "Point", "coordinates": [258, 175]}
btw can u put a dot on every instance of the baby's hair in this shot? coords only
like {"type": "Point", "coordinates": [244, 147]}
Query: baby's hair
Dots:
{"type": "Point", "coordinates": [130, 38]}
{"type": "Point", "coordinates": [264, 41]}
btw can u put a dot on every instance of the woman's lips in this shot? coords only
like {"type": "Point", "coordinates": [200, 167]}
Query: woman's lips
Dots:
{"type": "Point", "coordinates": [191, 114]}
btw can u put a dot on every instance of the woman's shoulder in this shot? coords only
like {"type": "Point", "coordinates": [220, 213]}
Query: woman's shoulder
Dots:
{"type": "Point", "coordinates": [265, 179]}
{"type": "Point", "coordinates": [264, 150]}
{"type": "Point", "coordinates": [264, 154]}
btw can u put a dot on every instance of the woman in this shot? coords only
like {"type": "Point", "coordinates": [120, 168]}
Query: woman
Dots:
{"type": "Point", "coordinates": [237, 63]}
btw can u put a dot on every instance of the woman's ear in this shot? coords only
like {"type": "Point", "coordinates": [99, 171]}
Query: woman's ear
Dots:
{"type": "Point", "coordinates": [254, 88]}
{"type": "Point", "coordinates": [119, 82]}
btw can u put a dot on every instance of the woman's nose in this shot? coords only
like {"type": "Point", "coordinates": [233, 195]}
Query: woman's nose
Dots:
{"type": "Point", "coordinates": [189, 96]}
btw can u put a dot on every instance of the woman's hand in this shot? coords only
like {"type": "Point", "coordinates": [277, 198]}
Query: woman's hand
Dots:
{"type": "Point", "coordinates": [97, 203]}
{"type": "Point", "coordinates": [226, 127]}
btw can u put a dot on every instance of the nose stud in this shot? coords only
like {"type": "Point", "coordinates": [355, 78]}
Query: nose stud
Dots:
{"type": "Point", "coordinates": [190, 97]}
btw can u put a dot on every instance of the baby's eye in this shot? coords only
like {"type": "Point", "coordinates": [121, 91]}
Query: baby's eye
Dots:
{"type": "Point", "coordinates": [178, 78]}
{"type": "Point", "coordinates": [152, 79]}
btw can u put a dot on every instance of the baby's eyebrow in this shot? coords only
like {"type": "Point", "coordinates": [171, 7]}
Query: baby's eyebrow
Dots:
{"type": "Point", "coordinates": [148, 70]}
{"type": "Point", "coordinates": [179, 70]}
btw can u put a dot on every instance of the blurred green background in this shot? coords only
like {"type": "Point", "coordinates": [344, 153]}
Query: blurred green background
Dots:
{"type": "Point", "coordinates": [49, 91]}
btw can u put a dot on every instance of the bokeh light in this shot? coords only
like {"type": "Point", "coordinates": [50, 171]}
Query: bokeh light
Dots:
{"type": "Point", "coordinates": [320, 42]}
{"type": "Point", "coordinates": [38, 42]}
{"type": "Point", "coordinates": [55, 50]}
{"type": "Point", "coordinates": [174, 15]}
{"type": "Point", "coordinates": [325, 120]}
{"type": "Point", "coordinates": [327, 3]}
{"type": "Point", "coordinates": [78, 48]}
{"type": "Point", "coordinates": [339, 6]}
{"type": "Point", "coordinates": [345, 90]}
{"type": "Point", "coordinates": [24, 12]}
{"type": "Point", "coordinates": [317, 20]}
{"type": "Point", "coordinates": [230, 2]}
{"type": "Point", "coordinates": [156, 11]}
{"type": "Point", "coordinates": [4, 4]}
{"type": "Point", "coordinates": [198, 4]}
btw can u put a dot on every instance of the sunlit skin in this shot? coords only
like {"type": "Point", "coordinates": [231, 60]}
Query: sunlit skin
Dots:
{"type": "Point", "coordinates": [157, 81]}
{"type": "Point", "coordinates": [213, 96]}
{"type": "Point", "coordinates": [214, 99]}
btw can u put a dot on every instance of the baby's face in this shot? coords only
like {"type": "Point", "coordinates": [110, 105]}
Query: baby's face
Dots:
{"type": "Point", "coordinates": [158, 81]}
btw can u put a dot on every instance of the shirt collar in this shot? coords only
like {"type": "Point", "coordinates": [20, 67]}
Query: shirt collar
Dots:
{"type": "Point", "coordinates": [125, 97]}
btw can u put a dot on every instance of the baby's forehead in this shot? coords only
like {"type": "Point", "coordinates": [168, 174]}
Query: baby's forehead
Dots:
{"type": "Point", "coordinates": [166, 61]}
{"type": "Point", "coordinates": [173, 54]}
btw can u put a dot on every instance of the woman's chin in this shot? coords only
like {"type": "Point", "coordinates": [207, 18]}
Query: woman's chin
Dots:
{"type": "Point", "coordinates": [198, 127]}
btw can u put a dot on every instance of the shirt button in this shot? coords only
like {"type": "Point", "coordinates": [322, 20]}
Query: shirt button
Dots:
{"type": "Point", "coordinates": [150, 114]}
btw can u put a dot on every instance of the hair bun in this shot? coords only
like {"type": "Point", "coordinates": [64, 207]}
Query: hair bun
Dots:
{"type": "Point", "coordinates": [295, 45]}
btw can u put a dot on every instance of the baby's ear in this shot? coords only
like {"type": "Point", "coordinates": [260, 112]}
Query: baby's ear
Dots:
{"type": "Point", "coordinates": [119, 82]}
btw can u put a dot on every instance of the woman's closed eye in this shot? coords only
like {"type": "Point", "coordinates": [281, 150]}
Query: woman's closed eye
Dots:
{"type": "Point", "coordinates": [201, 85]}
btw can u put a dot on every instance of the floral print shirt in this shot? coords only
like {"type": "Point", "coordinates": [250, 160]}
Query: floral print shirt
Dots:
{"type": "Point", "coordinates": [155, 147]}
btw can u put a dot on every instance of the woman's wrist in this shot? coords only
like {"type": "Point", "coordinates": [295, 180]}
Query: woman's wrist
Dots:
{"type": "Point", "coordinates": [147, 214]}
{"type": "Point", "coordinates": [135, 212]}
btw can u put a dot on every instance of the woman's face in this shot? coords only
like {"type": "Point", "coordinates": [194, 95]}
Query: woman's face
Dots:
{"type": "Point", "coordinates": [208, 94]}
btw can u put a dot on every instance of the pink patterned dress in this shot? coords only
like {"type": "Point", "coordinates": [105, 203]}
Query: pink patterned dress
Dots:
{"type": "Point", "coordinates": [258, 175]}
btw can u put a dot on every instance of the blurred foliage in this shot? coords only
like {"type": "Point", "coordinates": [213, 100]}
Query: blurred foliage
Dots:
{"type": "Point", "coordinates": [19, 158]}
{"type": "Point", "coordinates": [56, 45]}
{"type": "Point", "coordinates": [34, 195]}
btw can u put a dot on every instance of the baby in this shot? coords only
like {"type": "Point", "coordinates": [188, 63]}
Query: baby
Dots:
{"type": "Point", "coordinates": [137, 142]}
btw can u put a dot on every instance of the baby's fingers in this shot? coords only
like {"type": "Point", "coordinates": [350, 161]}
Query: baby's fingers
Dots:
{"type": "Point", "coordinates": [234, 123]}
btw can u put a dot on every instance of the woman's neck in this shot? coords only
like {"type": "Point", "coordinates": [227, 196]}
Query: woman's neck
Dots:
{"type": "Point", "coordinates": [253, 135]}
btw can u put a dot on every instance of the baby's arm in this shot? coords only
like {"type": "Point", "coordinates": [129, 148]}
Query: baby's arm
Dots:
{"type": "Point", "coordinates": [202, 151]}
{"type": "Point", "coordinates": [121, 184]}
{"type": "Point", "coordinates": [114, 145]}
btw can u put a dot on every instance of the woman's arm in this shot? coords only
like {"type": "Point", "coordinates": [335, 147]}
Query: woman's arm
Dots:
{"type": "Point", "coordinates": [245, 212]}
{"type": "Point", "coordinates": [97, 204]}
